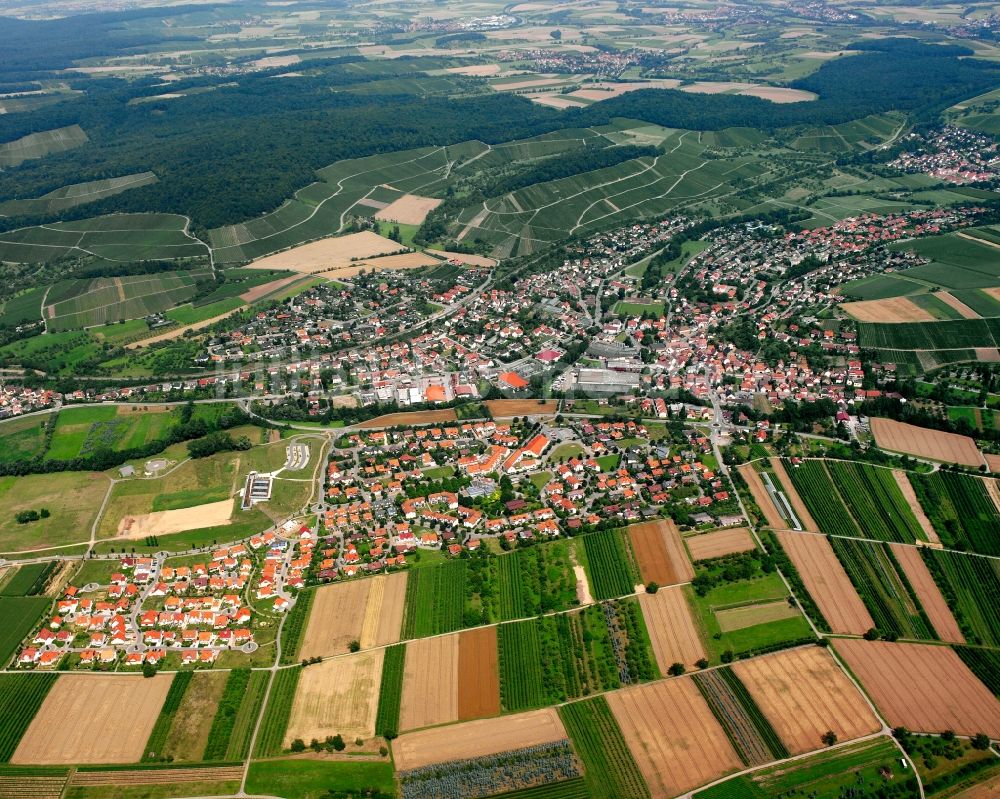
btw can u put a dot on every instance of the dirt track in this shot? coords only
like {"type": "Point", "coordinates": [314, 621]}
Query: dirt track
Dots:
{"type": "Point", "coordinates": [923, 688]}
{"type": "Point", "coordinates": [803, 693]}
{"type": "Point", "coordinates": [928, 593]}
{"type": "Point", "coordinates": [827, 582]}
{"type": "Point", "coordinates": [671, 628]}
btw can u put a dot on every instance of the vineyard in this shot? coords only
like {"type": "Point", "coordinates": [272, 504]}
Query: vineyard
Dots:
{"type": "Point", "coordinates": [612, 570]}
{"type": "Point", "coordinates": [229, 738]}
{"type": "Point", "coordinates": [529, 581]}
{"type": "Point", "coordinates": [390, 692]}
{"type": "Point", "coordinates": [883, 588]}
{"type": "Point", "coordinates": [20, 697]}
{"type": "Point", "coordinates": [493, 774]}
{"type": "Point", "coordinates": [875, 501]}
{"type": "Point", "coordinates": [435, 600]}
{"type": "Point", "coordinates": [279, 707]}
{"type": "Point", "coordinates": [610, 771]}
{"type": "Point", "coordinates": [295, 625]}
{"type": "Point", "coordinates": [970, 585]}
{"type": "Point", "coordinates": [984, 663]}
{"type": "Point", "coordinates": [750, 733]}
{"type": "Point", "coordinates": [813, 483]}
{"type": "Point", "coordinates": [161, 729]}
{"type": "Point", "coordinates": [961, 511]}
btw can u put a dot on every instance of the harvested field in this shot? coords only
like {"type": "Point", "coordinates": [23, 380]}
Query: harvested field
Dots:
{"type": "Point", "coordinates": [895, 309]}
{"type": "Point", "coordinates": [556, 101]}
{"type": "Point", "coordinates": [660, 553]}
{"type": "Point", "coordinates": [82, 718]}
{"type": "Point", "coordinates": [928, 593]}
{"type": "Point", "coordinates": [164, 522]}
{"type": "Point", "coordinates": [934, 444]}
{"type": "Point", "coordinates": [409, 419]}
{"type": "Point", "coordinates": [406, 260]}
{"type": "Point", "coordinates": [911, 498]}
{"type": "Point", "coordinates": [761, 497]}
{"type": "Point", "coordinates": [671, 628]}
{"type": "Point", "coordinates": [605, 91]}
{"type": "Point", "coordinates": [993, 464]}
{"type": "Point", "coordinates": [466, 258]}
{"type": "Point", "coordinates": [335, 252]}
{"type": "Point", "coordinates": [478, 675]}
{"type": "Point", "coordinates": [430, 682]}
{"type": "Point", "coordinates": [723, 542]}
{"type": "Point", "coordinates": [798, 506]}
{"type": "Point", "coordinates": [337, 617]}
{"type": "Point", "coordinates": [338, 696]}
{"type": "Point", "coordinates": [410, 209]}
{"type": "Point", "coordinates": [827, 582]}
{"type": "Point", "coordinates": [676, 741]}
{"type": "Point", "coordinates": [477, 738]}
{"type": "Point", "coordinates": [923, 688]}
{"type": "Point", "coordinates": [384, 610]}
{"type": "Point", "coordinates": [804, 693]}
{"type": "Point", "coordinates": [988, 789]}
{"type": "Point", "coordinates": [750, 615]}
{"type": "Point", "coordinates": [501, 409]}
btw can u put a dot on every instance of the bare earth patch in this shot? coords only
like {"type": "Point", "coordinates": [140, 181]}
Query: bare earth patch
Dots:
{"type": "Point", "coordinates": [410, 209]}
{"type": "Point", "coordinates": [660, 553]}
{"type": "Point", "coordinates": [804, 693]}
{"type": "Point", "coordinates": [324, 255]}
{"type": "Point", "coordinates": [934, 444]}
{"type": "Point", "coordinates": [923, 688]}
{"type": "Point", "coordinates": [466, 258]}
{"type": "Point", "coordinates": [671, 627]}
{"type": "Point", "coordinates": [895, 309]}
{"type": "Point", "coordinates": [502, 409]}
{"type": "Point", "coordinates": [430, 682]}
{"type": "Point", "coordinates": [478, 674]}
{"type": "Point", "coordinates": [676, 741]}
{"type": "Point", "coordinates": [477, 738]}
{"type": "Point", "coordinates": [476, 70]}
{"type": "Point", "coordinates": [723, 542]}
{"type": "Point", "coordinates": [337, 696]}
{"type": "Point", "coordinates": [94, 719]}
{"type": "Point", "coordinates": [827, 582]}
{"type": "Point", "coordinates": [164, 522]}
{"type": "Point", "coordinates": [928, 593]}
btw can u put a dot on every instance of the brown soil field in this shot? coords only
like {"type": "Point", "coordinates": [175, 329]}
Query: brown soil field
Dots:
{"type": "Point", "coordinates": [676, 741]}
{"type": "Point", "coordinates": [957, 304]}
{"type": "Point", "coordinates": [410, 209]}
{"type": "Point", "coordinates": [264, 289]}
{"type": "Point", "coordinates": [987, 354]}
{"type": "Point", "coordinates": [992, 463]}
{"type": "Point", "coordinates": [189, 731]}
{"type": "Point", "coordinates": [384, 611]}
{"type": "Point", "coordinates": [740, 618]}
{"type": "Point", "coordinates": [804, 693]}
{"type": "Point", "coordinates": [798, 506]}
{"type": "Point", "coordinates": [928, 593]}
{"type": "Point", "coordinates": [477, 738]}
{"type": "Point", "coordinates": [660, 553]}
{"type": "Point", "coordinates": [922, 687]}
{"type": "Point", "coordinates": [779, 94]}
{"type": "Point", "coordinates": [605, 91]}
{"type": "Point", "coordinates": [911, 498]}
{"type": "Point", "coordinates": [413, 418]}
{"type": "Point", "coordinates": [337, 696]}
{"type": "Point", "coordinates": [896, 309]}
{"type": "Point", "coordinates": [671, 628]}
{"type": "Point", "coordinates": [934, 444]}
{"type": "Point", "coordinates": [723, 542]}
{"type": "Point", "coordinates": [466, 258]}
{"type": "Point", "coordinates": [163, 522]}
{"type": "Point", "coordinates": [336, 618]}
{"type": "Point", "coordinates": [993, 490]}
{"type": "Point", "coordinates": [528, 84]}
{"type": "Point", "coordinates": [330, 253]}
{"type": "Point", "coordinates": [94, 719]}
{"type": "Point", "coordinates": [761, 497]}
{"type": "Point", "coordinates": [827, 582]}
{"type": "Point", "coordinates": [478, 674]}
{"type": "Point", "coordinates": [500, 409]}
{"type": "Point", "coordinates": [430, 682]}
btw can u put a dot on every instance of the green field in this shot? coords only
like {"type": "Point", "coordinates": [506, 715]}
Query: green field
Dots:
{"type": "Point", "coordinates": [20, 615]}
{"type": "Point", "coordinates": [390, 691]}
{"type": "Point", "coordinates": [314, 779]}
{"type": "Point", "coordinates": [236, 716]}
{"type": "Point", "coordinates": [72, 499]}
{"type": "Point", "coordinates": [279, 706]}
{"type": "Point", "coordinates": [77, 194]}
{"type": "Point", "coordinates": [156, 745]}
{"type": "Point", "coordinates": [610, 771]}
{"type": "Point", "coordinates": [628, 308]}
{"type": "Point", "coordinates": [435, 600]}
{"type": "Point", "coordinates": [295, 626]}
{"type": "Point", "coordinates": [875, 501]}
{"type": "Point", "coordinates": [20, 697]}
{"type": "Point", "coordinates": [610, 564]}
{"type": "Point", "coordinates": [22, 438]}
{"type": "Point", "coordinates": [970, 585]}
{"type": "Point", "coordinates": [957, 334]}
{"type": "Point", "coordinates": [24, 307]}
{"type": "Point", "coordinates": [530, 581]}
{"type": "Point", "coordinates": [38, 145]}
{"type": "Point", "coordinates": [28, 580]}
{"type": "Point", "coordinates": [813, 483]}
{"type": "Point", "coordinates": [960, 509]}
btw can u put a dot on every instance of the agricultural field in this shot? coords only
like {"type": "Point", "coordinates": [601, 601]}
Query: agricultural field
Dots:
{"type": "Point", "coordinates": [164, 721]}
{"type": "Point", "coordinates": [38, 145]}
{"type": "Point", "coordinates": [22, 438]}
{"type": "Point", "coordinates": [80, 432]}
{"type": "Point", "coordinates": [478, 674]}
{"type": "Point", "coordinates": [28, 580]}
{"type": "Point", "coordinates": [610, 771]}
{"type": "Point", "coordinates": [312, 779]}
{"type": "Point", "coordinates": [77, 194]}
{"type": "Point", "coordinates": [812, 482]}
{"type": "Point", "coordinates": [924, 443]}
{"type": "Point", "coordinates": [803, 694]}
{"type": "Point", "coordinates": [610, 564]}
{"type": "Point", "coordinates": [970, 584]}
{"type": "Point", "coordinates": [390, 691]}
{"type": "Point", "coordinates": [191, 723]}
{"type": "Point", "coordinates": [430, 682]}
{"type": "Point", "coordinates": [280, 698]}
{"type": "Point", "coordinates": [527, 582]}
{"type": "Point", "coordinates": [874, 499]}
{"type": "Point", "coordinates": [671, 627]}
{"type": "Point", "coordinates": [923, 688]}
{"type": "Point", "coordinates": [20, 697]}
{"type": "Point", "coordinates": [960, 509]}
{"type": "Point", "coordinates": [236, 715]}
{"type": "Point", "coordinates": [927, 593]}
{"type": "Point", "coordinates": [708, 546]}
{"type": "Point", "coordinates": [435, 600]}
{"type": "Point", "coordinates": [984, 663]}
{"type": "Point", "coordinates": [659, 553]}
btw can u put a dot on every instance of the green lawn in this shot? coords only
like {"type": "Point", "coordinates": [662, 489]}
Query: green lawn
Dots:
{"type": "Point", "coordinates": [72, 499]}
{"type": "Point", "coordinates": [311, 779]}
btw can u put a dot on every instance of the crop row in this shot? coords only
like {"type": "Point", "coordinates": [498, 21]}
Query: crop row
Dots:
{"type": "Point", "coordinates": [818, 492]}
{"type": "Point", "coordinates": [875, 501]}
{"type": "Point", "coordinates": [20, 697]}
{"type": "Point", "coordinates": [236, 715]}
{"type": "Point", "coordinates": [610, 771]}
{"type": "Point", "coordinates": [611, 570]}
{"type": "Point", "coordinates": [567, 789]}
{"type": "Point", "coordinates": [20, 614]}
{"type": "Point", "coordinates": [390, 691]}
{"type": "Point", "coordinates": [961, 511]}
{"type": "Point", "coordinates": [756, 715]}
{"type": "Point", "coordinates": [970, 585]}
{"type": "Point", "coordinates": [161, 729]}
{"type": "Point", "coordinates": [638, 651]}
{"type": "Point", "coordinates": [528, 582]}
{"type": "Point", "coordinates": [883, 588]}
{"type": "Point", "coordinates": [295, 625]}
{"type": "Point", "coordinates": [435, 600]}
{"type": "Point", "coordinates": [984, 663]}
{"type": "Point", "coordinates": [279, 708]}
